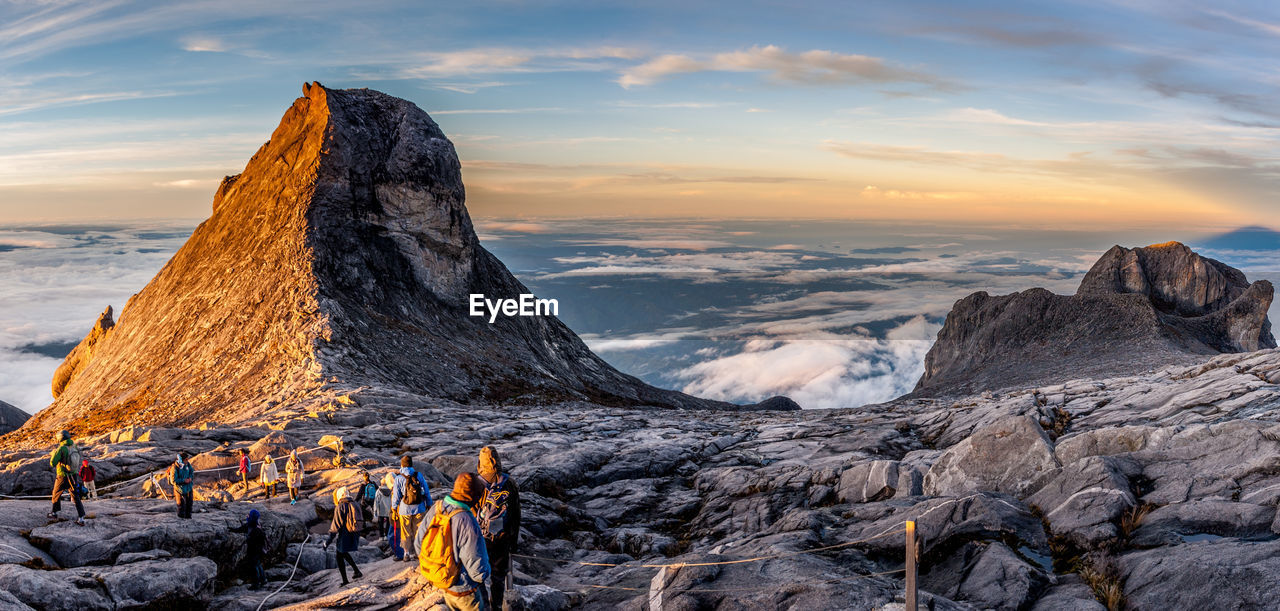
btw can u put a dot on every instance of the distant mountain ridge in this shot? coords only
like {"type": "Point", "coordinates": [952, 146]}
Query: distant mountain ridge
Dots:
{"type": "Point", "coordinates": [1245, 238]}
{"type": "Point", "coordinates": [1136, 309]}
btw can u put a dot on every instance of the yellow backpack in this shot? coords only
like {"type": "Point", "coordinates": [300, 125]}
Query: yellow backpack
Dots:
{"type": "Point", "coordinates": [437, 562]}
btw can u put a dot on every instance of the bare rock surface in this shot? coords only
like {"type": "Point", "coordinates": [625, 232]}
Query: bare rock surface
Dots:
{"type": "Point", "coordinates": [1118, 475]}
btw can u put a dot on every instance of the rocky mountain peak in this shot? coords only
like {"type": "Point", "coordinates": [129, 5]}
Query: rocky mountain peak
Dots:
{"type": "Point", "coordinates": [1136, 309]}
{"type": "Point", "coordinates": [342, 257]}
{"type": "Point", "coordinates": [1175, 278]}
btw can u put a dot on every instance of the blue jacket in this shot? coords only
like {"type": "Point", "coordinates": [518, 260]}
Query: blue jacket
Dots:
{"type": "Point", "coordinates": [397, 493]}
{"type": "Point", "coordinates": [183, 476]}
{"type": "Point", "coordinates": [468, 544]}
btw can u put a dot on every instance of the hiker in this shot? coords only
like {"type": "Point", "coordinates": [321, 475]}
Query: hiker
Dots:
{"type": "Point", "coordinates": [499, 517]}
{"type": "Point", "coordinates": [409, 498]}
{"type": "Point", "coordinates": [243, 469]}
{"type": "Point", "coordinates": [393, 523]}
{"type": "Point", "coordinates": [183, 476]}
{"type": "Point", "coordinates": [339, 459]}
{"type": "Point", "coordinates": [382, 506]}
{"type": "Point", "coordinates": [293, 476]}
{"type": "Point", "coordinates": [368, 492]}
{"type": "Point", "coordinates": [62, 459]}
{"type": "Point", "coordinates": [269, 475]}
{"type": "Point", "coordinates": [453, 556]}
{"type": "Point", "coordinates": [346, 528]}
{"type": "Point", "coordinates": [255, 542]}
{"type": "Point", "coordinates": [87, 475]}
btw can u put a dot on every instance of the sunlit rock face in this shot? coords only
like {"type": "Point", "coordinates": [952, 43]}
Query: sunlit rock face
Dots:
{"type": "Point", "coordinates": [342, 256]}
{"type": "Point", "coordinates": [1137, 309]}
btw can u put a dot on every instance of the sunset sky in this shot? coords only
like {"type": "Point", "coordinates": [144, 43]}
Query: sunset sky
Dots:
{"type": "Point", "coordinates": [1069, 114]}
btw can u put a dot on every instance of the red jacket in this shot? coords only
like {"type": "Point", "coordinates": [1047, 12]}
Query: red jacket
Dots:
{"type": "Point", "coordinates": [87, 473]}
{"type": "Point", "coordinates": [244, 464]}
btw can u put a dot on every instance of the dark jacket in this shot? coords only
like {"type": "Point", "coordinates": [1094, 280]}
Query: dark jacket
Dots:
{"type": "Point", "coordinates": [506, 542]}
{"type": "Point", "coordinates": [255, 541]}
{"type": "Point", "coordinates": [345, 514]}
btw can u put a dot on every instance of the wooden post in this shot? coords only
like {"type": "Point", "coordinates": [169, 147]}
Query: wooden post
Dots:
{"type": "Point", "coordinates": [911, 567]}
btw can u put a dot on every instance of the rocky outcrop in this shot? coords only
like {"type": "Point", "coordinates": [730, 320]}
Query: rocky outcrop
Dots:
{"type": "Point", "coordinates": [80, 356]}
{"type": "Point", "coordinates": [341, 257]}
{"type": "Point", "coordinates": [1136, 310]}
{"type": "Point", "coordinates": [11, 418]}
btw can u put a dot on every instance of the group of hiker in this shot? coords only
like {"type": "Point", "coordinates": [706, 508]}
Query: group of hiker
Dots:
{"type": "Point", "coordinates": [269, 475]}
{"type": "Point", "coordinates": [462, 543]}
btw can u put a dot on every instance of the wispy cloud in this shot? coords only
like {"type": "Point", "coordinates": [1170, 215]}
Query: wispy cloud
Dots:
{"type": "Point", "coordinates": [495, 111]}
{"type": "Point", "coordinates": [498, 60]}
{"type": "Point", "coordinates": [204, 44]}
{"type": "Point", "coordinates": [816, 67]}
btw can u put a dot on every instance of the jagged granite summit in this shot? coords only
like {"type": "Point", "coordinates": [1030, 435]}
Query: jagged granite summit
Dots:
{"type": "Point", "coordinates": [1137, 309]}
{"type": "Point", "coordinates": [342, 255]}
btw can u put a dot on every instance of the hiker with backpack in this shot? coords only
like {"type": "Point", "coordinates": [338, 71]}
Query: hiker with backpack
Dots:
{"type": "Point", "coordinates": [269, 475]}
{"type": "Point", "coordinates": [87, 475]}
{"type": "Point", "coordinates": [62, 459]}
{"type": "Point", "coordinates": [368, 492]}
{"type": "Point", "coordinates": [255, 542]}
{"type": "Point", "coordinates": [382, 506]}
{"type": "Point", "coordinates": [409, 498]}
{"type": "Point", "coordinates": [453, 556]}
{"type": "Point", "coordinates": [293, 476]}
{"type": "Point", "coordinates": [243, 469]}
{"type": "Point", "coordinates": [346, 529]}
{"type": "Point", "coordinates": [183, 476]}
{"type": "Point", "coordinates": [393, 521]}
{"type": "Point", "coordinates": [499, 517]}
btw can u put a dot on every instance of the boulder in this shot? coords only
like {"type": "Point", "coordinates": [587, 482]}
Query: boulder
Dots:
{"type": "Point", "coordinates": [1008, 456]}
{"type": "Point", "coordinates": [1086, 499]}
{"type": "Point", "coordinates": [159, 584]}
{"type": "Point", "coordinates": [145, 585]}
{"type": "Point", "coordinates": [53, 590]}
{"type": "Point", "coordinates": [1069, 594]}
{"type": "Point", "coordinates": [944, 523]}
{"type": "Point", "coordinates": [869, 481]}
{"type": "Point", "coordinates": [1169, 525]}
{"type": "Point", "coordinates": [1221, 574]}
{"type": "Point", "coordinates": [121, 527]}
{"type": "Point", "coordinates": [452, 465]}
{"type": "Point", "coordinates": [537, 597]}
{"type": "Point", "coordinates": [987, 576]}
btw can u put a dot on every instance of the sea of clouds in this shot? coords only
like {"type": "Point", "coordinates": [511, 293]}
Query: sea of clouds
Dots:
{"type": "Point", "coordinates": [831, 314]}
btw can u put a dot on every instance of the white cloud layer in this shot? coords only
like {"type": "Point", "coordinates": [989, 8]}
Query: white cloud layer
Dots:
{"type": "Point", "coordinates": [818, 373]}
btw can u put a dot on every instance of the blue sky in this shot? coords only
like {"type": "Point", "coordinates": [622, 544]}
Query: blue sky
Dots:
{"type": "Point", "coordinates": [1063, 114]}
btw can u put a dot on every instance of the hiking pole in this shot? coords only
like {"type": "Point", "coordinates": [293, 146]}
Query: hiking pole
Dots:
{"type": "Point", "coordinates": [911, 567]}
